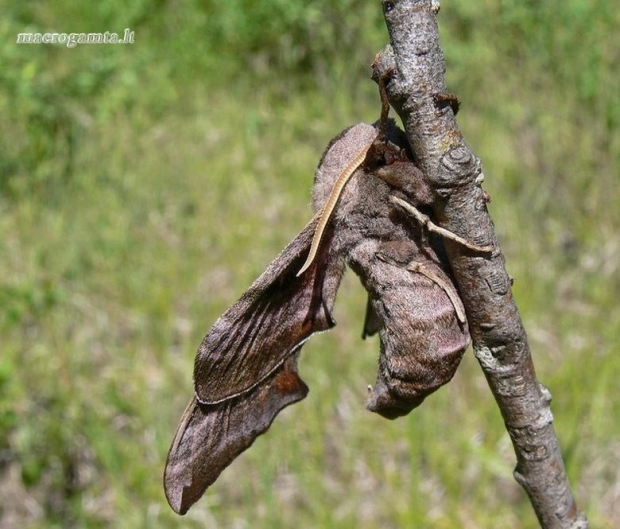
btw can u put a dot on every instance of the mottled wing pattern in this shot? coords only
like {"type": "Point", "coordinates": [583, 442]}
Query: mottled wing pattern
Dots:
{"type": "Point", "coordinates": [274, 317]}
{"type": "Point", "coordinates": [210, 437]}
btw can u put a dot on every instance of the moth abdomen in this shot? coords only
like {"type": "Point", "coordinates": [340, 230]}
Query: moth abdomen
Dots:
{"type": "Point", "coordinates": [422, 340]}
{"type": "Point", "coordinates": [405, 380]}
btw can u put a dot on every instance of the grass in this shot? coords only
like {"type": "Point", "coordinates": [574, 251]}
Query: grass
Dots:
{"type": "Point", "coordinates": [139, 191]}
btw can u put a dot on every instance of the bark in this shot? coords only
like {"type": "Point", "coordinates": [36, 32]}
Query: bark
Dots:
{"type": "Point", "coordinates": [417, 91]}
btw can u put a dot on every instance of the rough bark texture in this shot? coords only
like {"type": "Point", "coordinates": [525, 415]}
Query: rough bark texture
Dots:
{"type": "Point", "coordinates": [415, 64]}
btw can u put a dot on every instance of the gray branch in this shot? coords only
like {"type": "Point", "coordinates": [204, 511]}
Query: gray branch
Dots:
{"type": "Point", "coordinates": [414, 62]}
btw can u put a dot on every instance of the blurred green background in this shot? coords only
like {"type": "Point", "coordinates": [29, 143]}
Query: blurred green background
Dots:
{"type": "Point", "coordinates": [143, 187]}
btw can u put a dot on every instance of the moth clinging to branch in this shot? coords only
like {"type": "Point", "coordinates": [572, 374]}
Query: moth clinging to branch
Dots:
{"type": "Point", "coordinates": [245, 370]}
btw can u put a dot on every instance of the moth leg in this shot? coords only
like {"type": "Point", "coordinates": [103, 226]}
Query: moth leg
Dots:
{"type": "Point", "coordinates": [372, 322]}
{"type": "Point", "coordinates": [426, 221]}
{"type": "Point", "coordinates": [382, 80]}
{"type": "Point", "coordinates": [385, 104]}
{"type": "Point", "coordinates": [446, 286]}
{"type": "Point", "coordinates": [444, 100]}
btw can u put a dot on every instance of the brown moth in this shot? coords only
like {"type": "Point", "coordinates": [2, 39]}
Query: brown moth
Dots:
{"type": "Point", "coordinates": [245, 370]}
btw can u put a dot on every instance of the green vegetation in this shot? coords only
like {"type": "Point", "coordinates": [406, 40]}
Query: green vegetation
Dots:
{"type": "Point", "coordinates": [142, 188]}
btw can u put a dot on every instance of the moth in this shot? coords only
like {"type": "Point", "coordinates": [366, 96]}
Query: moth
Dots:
{"type": "Point", "coordinates": [366, 188]}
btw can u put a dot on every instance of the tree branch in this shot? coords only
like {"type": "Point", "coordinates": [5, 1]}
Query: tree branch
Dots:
{"type": "Point", "coordinates": [414, 62]}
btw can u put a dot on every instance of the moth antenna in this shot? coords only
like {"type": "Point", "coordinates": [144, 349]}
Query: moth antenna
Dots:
{"type": "Point", "coordinates": [327, 210]}
{"type": "Point", "coordinates": [344, 177]}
